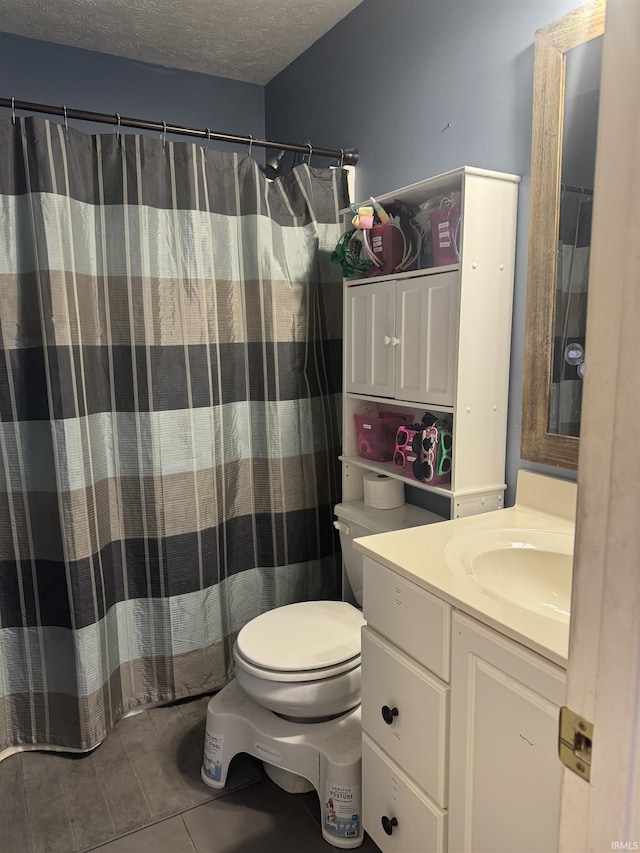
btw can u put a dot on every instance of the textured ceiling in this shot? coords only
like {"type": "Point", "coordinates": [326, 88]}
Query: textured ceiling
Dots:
{"type": "Point", "coordinates": [248, 40]}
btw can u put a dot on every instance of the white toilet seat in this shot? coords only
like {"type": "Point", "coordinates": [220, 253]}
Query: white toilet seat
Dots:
{"type": "Point", "coordinates": [307, 636]}
{"type": "Point", "coordinates": [304, 700]}
{"type": "Point", "coordinates": [295, 675]}
{"type": "Point", "coordinates": [302, 660]}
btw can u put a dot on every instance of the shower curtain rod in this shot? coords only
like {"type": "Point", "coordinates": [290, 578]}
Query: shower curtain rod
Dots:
{"type": "Point", "coordinates": [580, 190]}
{"type": "Point", "coordinates": [348, 156]}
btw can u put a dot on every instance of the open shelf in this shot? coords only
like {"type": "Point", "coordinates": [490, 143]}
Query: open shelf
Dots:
{"type": "Point", "coordinates": [403, 405]}
{"type": "Point", "coordinates": [390, 470]}
{"type": "Point", "coordinates": [444, 183]}
{"type": "Point", "coordinates": [398, 276]}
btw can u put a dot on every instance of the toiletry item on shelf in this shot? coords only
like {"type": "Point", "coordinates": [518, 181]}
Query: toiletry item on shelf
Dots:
{"type": "Point", "coordinates": [382, 492]}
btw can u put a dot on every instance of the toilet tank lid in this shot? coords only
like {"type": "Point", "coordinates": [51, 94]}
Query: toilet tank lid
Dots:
{"type": "Point", "coordinates": [383, 520]}
{"type": "Point", "coordinates": [308, 635]}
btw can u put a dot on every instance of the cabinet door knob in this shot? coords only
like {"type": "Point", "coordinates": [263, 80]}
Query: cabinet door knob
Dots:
{"type": "Point", "coordinates": [388, 823]}
{"type": "Point", "coordinates": [387, 340]}
{"type": "Point", "coordinates": [388, 714]}
{"type": "Point", "coordinates": [395, 341]}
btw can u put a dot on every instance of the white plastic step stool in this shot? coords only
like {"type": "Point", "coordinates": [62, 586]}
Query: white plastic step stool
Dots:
{"type": "Point", "coordinates": [328, 754]}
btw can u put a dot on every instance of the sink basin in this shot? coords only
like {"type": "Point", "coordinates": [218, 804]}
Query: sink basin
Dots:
{"type": "Point", "coordinates": [530, 568]}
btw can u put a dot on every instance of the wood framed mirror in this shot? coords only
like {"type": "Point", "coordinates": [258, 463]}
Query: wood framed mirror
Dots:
{"type": "Point", "coordinates": [544, 439]}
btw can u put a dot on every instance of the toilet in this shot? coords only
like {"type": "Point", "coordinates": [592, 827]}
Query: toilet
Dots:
{"type": "Point", "coordinates": [294, 702]}
{"type": "Point", "coordinates": [311, 678]}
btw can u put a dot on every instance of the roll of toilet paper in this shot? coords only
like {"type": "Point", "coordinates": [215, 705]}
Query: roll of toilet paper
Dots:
{"type": "Point", "coordinates": [382, 492]}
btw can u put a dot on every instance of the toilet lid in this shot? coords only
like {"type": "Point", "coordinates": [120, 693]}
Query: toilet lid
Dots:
{"type": "Point", "coordinates": [306, 636]}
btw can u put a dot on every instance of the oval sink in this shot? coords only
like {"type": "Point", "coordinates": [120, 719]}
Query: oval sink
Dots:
{"type": "Point", "coordinates": [530, 568]}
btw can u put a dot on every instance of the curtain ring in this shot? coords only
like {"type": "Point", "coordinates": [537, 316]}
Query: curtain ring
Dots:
{"type": "Point", "coordinates": [118, 128]}
{"type": "Point", "coordinates": [66, 123]}
{"type": "Point", "coordinates": [164, 133]}
{"type": "Point", "coordinates": [250, 144]}
{"type": "Point", "coordinates": [13, 110]}
{"type": "Point", "coordinates": [342, 158]}
{"type": "Point", "coordinates": [310, 153]}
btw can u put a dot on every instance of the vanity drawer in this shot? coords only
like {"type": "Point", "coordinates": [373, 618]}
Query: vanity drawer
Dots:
{"type": "Point", "coordinates": [387, 792]}
{"type": "Point", "coordinates": [412, 618]}
{"type": "Point", "coordinates": [416, 736]}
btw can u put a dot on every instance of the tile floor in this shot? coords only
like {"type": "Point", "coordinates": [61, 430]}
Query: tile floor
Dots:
{"type": "Point", "coordinates": [140, 792]}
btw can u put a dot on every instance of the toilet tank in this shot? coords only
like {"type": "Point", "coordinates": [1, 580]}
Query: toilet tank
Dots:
{"type": "Point", "coordinates": [354, 519]}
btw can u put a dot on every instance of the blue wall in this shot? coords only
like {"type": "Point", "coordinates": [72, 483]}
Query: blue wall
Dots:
{"type": "Point", "coordinates": [387, 79]}
{"type": "Point", "coordinates": [39, 71]}
{"type": "Point", "coordinates": [390, 77]}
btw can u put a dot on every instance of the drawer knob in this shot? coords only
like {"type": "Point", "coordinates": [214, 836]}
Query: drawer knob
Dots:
{"type": "Point", "coordinates": [388, 714]}
{"type": "Point", "coordinates": [388, 823]}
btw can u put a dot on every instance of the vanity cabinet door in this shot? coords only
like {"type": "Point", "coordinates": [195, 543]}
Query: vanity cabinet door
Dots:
{"type": "Point", "coordinates": [370, 341]}
{"type": "Point", "coordinates": [504, 793]}
{"type": "Point", "coordinates": [426, 327]}
{"type": "Point", "coordinates": [405, 710]}
{"type": "Point", "coordinates": [395, 813]}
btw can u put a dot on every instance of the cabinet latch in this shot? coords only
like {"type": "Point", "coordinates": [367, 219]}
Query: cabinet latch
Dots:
{"type": "Point", "coordinates": [575, 742]}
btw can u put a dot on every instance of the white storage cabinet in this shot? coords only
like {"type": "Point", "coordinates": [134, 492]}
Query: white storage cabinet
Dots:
{"type": "Point", "coordinates": [438, 340]}
{"type": "Point", "coordinates": [401, 338]}
{"type": "Point", "coordinates": [460, 724]}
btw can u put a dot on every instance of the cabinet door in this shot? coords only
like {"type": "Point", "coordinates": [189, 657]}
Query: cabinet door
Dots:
{"type": "Point", "coordinates": [369, 338]}
{"type": "Point", "coordinates": [426, 326]}
{"type": "Point", "coordinates": [504, 793]}
{"type": "Point", "coordinates": [395, 812]}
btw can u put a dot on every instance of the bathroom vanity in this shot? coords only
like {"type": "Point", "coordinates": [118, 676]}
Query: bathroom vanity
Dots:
{"type": "Point", "coordinates": [463, 675]}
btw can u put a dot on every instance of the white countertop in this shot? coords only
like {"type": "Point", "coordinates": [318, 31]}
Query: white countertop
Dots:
{"type": "Point", "coordinates": [418, 555]}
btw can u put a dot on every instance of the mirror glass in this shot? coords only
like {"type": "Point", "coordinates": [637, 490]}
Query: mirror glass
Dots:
{"type": "Point", "coordinates": [566, 86]}
{"type": "Point", "coordinates": [579, 132]}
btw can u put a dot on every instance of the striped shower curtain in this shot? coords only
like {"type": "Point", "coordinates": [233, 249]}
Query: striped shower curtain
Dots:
{"type": "Point", "coordinates": [569, 344]}
{"type": "Point", "coordinates": [169, 390]}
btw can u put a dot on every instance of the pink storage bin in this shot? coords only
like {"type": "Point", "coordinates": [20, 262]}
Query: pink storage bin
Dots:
{"type": "Point", "coordinates": [376, 434]}
{"type": "Point", "coordinates": [445, 234]}
{"type": "Point", "coordinates": [387, 244]}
